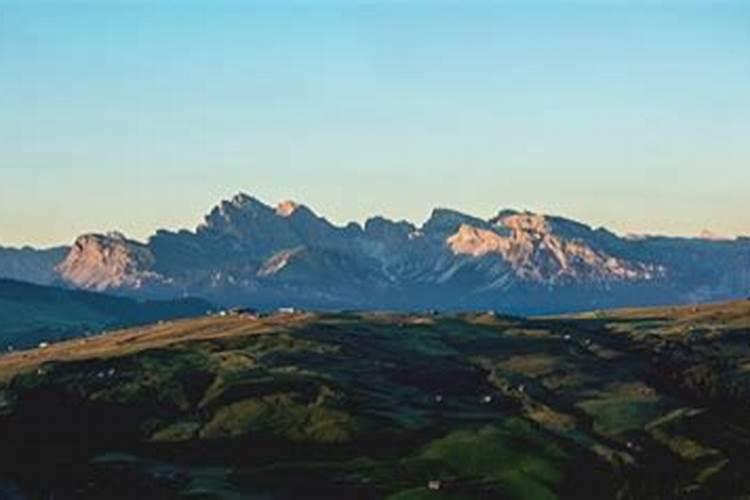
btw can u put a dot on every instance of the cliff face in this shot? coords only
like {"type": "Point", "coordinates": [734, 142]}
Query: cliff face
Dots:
{"type": "Point", "coordinates": [248, 252]}
{"type": "Point", "coordinates": [533, 250]}
{"type": "Point", "coordinates": [108, 262]}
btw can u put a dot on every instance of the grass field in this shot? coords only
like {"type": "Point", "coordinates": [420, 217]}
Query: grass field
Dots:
{"type": "Point", "coordinates": [627, 404]}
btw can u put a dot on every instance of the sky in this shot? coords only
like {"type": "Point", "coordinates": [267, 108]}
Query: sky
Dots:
{"type": "Point", "coordinates": [131, 116]}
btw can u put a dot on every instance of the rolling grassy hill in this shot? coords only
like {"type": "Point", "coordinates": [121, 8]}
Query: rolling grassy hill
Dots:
{"type": "Point", "coordinates": [626, 404]}
{"type": "Point", "coordinates": [30, 314]}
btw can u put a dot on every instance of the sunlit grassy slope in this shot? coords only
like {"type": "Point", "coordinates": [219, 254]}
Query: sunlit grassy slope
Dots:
{"type": "Point", "coordinates": [629, 404]}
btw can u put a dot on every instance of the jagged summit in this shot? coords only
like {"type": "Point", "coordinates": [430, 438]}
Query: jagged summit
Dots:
{"type": "Point", "coordinates": [534, 252]}
{"type": "Point", "coordinates": [524, 222]}
{"type": "Point", "coordinates": [444, 221]}
{"type": "Point", "coordinates": [243, 206]}
{"type": "Point", "coordinates": [244, 200]}
{"type": "Point", "coordinates": [287, 208]}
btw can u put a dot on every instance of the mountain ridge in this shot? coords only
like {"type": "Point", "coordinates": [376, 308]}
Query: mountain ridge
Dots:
{"type": "Point", "coordinates": [246, 251]}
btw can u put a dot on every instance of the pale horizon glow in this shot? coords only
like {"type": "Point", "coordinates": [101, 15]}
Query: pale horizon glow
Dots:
{"type": "Point", "coordinates": [134, 116]}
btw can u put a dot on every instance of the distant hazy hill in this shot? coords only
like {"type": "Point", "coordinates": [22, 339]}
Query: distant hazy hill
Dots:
{"type": "Point", "coordinates": [30, 314]}
{"type": "Point", "coordinates": [248, 252]}
{"type": "Point", "coordinates": [29, 264]}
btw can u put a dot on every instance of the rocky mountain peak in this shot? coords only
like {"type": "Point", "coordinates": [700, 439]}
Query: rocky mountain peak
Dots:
{"type": "Point", "coordinates": [287, 208]}
{"type": "Point", "coordinates": [244, 200]}
{"type": "Point", "coordinates": [529, 245]}
{"type": "Point", "coordinates": [445, 221]}
{"type": "Point", "coordinates": [241, 205]}
{"type": "Point", "coordinates": [531, 223]}
{"type": "Point", "coordinates": [101, 262]}
{"type": "Point", "coordinates": [236, 216]}
{"type": "Point", "coordinates": [523, 221]}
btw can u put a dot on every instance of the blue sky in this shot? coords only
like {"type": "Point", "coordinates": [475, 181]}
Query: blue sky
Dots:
{"type": "Point", "coordinates": [137, 115]}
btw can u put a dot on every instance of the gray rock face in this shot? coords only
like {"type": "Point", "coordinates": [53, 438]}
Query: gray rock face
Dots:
{"type": "Point", "coordinates": [246, 252]}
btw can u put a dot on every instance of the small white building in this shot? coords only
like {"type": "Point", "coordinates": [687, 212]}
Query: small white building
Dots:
{"type": "Point", "coordinates": [434, 485]}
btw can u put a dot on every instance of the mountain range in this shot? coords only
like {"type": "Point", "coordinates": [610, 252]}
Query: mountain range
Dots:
{"type": "Point", "coordinates": [246, 252]}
